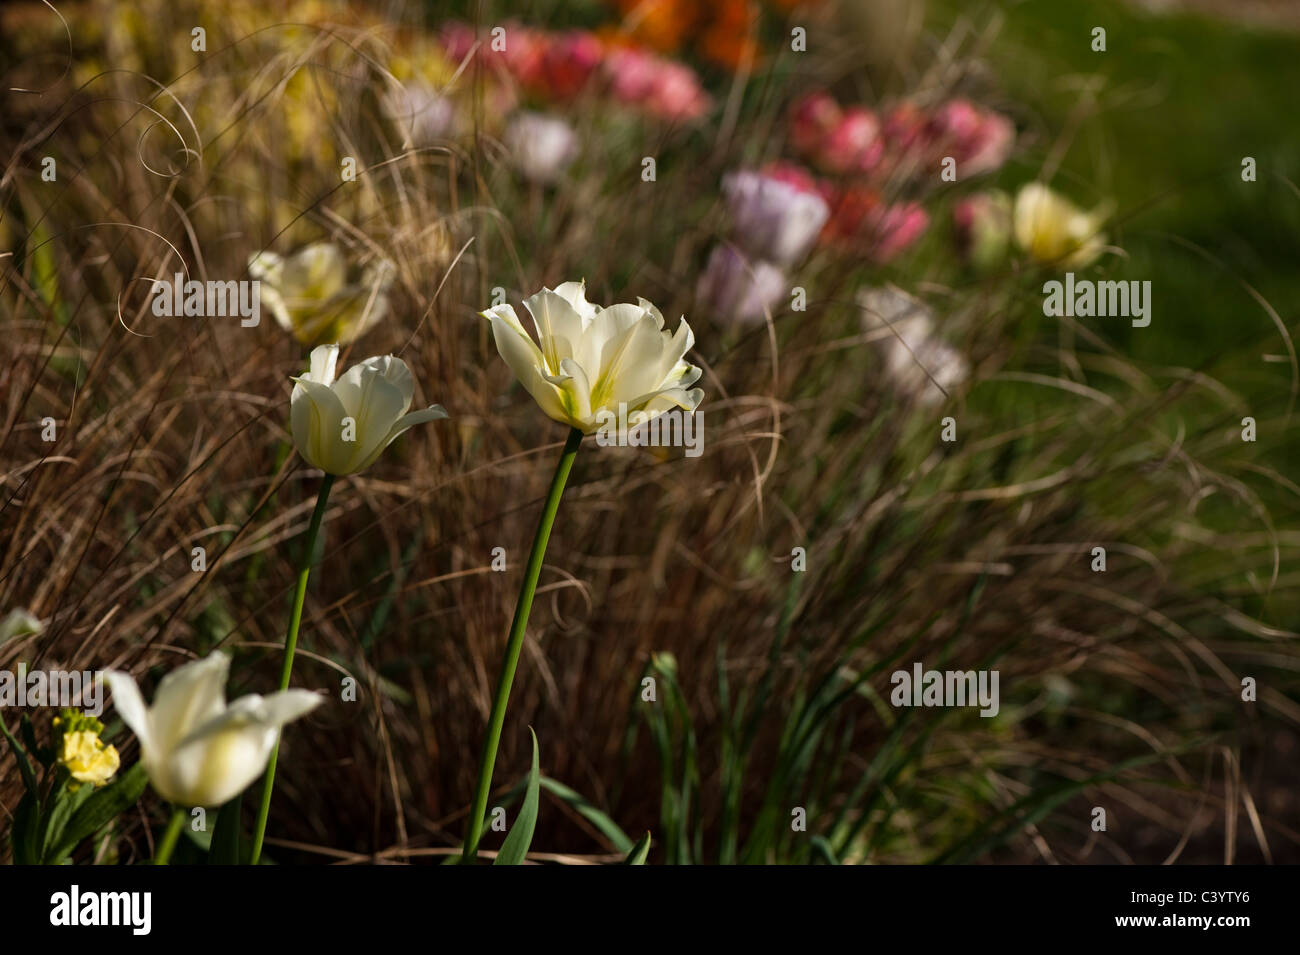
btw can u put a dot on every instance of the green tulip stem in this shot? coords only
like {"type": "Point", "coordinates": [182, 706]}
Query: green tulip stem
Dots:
{"type": "Point", "coordinates": [168, 841]}
{"type": "Point", "coordinates": [514, 644]}
{"type": "Point", "coordinates": [286, 667]}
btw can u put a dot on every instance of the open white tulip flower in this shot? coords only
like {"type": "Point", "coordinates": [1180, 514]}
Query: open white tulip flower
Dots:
{"type": "Point", "coordinates": [310, 295]}
{"type": "Point", "coordinates": [589, 362]}
{"type": "Point", "coordinates": [342, 425]}
{"type": "Point", "coordinates": [196, 749]}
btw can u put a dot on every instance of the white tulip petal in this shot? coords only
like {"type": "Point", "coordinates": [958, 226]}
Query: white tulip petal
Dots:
{"type": "Point", "coordinates": [323, 361]}
{"type": "Point", "coordinates": [559, 326]}
{"type": "Point", "coordinates": [381, 404]}
{"type": "Point", "coordinates": [407, 421]}
{"type": "Point", "coordinates": [575, 293]}
{"type": "Point", "coordinates": [575, 393]}
{"type": "Point", "coordinates": [632, 366]}
{"type": "Point", "coordinates": [521, 354]}
{"type": "Point", "coordinates": [211, 769]}
{"type": "Point", "coordinates": [130, 706]}
{"type": "Point", "coordinates": [317, 271]}
{"type": "Point", "coordinates": [271, 299]}
{"type": "Point", "coordinates": [316, 418]}
{"type": "Point", "coordinates": [187, 697]}
{"type": "Point", "coordinates": [398, 374]}
{"type": "Point", "coordinates": [267, 267]}
{"type": "Point", "coordinates": [279, 708]}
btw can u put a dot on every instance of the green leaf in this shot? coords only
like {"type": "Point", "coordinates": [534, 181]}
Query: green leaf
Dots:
{"type": "Point", "coordinates": [103, 806]}
{"type": "Point", "coordinates": [822, 850]}
{"type": "Point", "coordinates": [226, 835]}
{"type": "Point", "coordinates": [26, 834]}
{"type": "Point", "coordinates": [44, 755]}
{"type": "Point", "coordinates": [603, 823]}
{"type": "Point", "coordinates": [61, 805]}
{"type": "Point", "coordinates": [639, 851]}
{"type": "Point", "coordinates": [520, 836]}
{"type": "Point", "coordinates": [24, 765]}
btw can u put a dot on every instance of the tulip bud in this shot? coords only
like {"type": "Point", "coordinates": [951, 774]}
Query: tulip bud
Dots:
{"type": "Point", "coordinates": [983, 227]}
{"type": "Point", "coordinates": [342, 426]}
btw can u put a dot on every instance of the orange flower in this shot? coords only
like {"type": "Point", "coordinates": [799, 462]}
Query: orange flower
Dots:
{"type": "Point", "coordinates": [659, 24]}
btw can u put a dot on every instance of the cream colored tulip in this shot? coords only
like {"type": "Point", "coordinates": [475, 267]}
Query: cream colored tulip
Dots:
{"type": "Point", "coordinates": [310, 296]}
{"type": "Point", "coordinates": [1054, 231]}
{"type": "Point", "coordinates": [196, 749]}
{"type": "Point", "coordinates": [588, 360]}
{"type": "Point", "coordinates": [341, 426]}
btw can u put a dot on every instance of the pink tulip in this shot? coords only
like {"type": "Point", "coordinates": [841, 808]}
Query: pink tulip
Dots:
{"type": "Point", "coordinates": [854, 145]}
{"type": "Point", "coordinates": [980, 140]}
{"type": "Point", "coordinates": [811, 122]}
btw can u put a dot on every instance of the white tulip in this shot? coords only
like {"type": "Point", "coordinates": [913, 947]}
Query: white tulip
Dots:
{"type": "Point", "coordinates": [588, 360]}
{"type": "Point", "coordinates": [424, 115]}
{"type": "Point", "coordinates": [542, 146]}
{"type": "Point", "coordinates": [196, 750]}
{"type": "Point", "coordinates": [1054, 231]}
{"type": "Point", "coordinates": [341, 426]}
{"type": "Point", "coordinates": [918, 363]}
{"type": "Point", "coordinates": [310, 295]}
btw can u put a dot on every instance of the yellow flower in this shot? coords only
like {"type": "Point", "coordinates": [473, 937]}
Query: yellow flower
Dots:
{"type": "Point", "coordinates": [88, 758]}
{"type": "Point", "coordinates": [1054, 231]}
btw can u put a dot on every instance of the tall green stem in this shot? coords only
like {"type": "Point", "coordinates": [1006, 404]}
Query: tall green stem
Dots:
{"type": "Point", "coordinates": [286, 667]}
{"type": "Point", "coordinates": [515, 643]}
{"type": "Point", "coordinates": [167, 843]}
